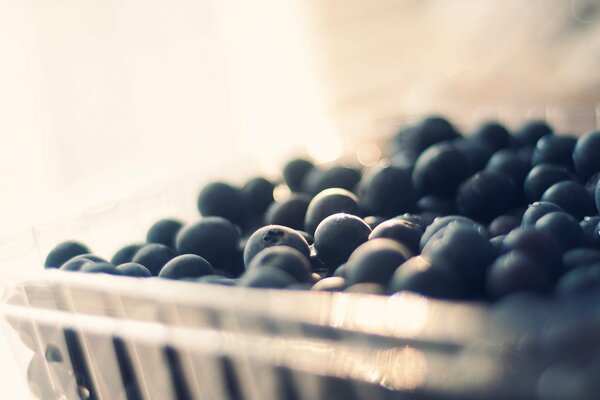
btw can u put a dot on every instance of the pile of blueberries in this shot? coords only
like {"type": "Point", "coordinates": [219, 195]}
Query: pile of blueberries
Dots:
{"type": "Point", "coordinates": [448, 216]}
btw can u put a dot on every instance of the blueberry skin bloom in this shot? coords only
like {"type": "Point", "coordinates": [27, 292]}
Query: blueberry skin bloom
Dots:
{"type": "Point", "coordinates": [563, 228]}
{"type": "Point", "coordinates": [222, 200]}
{"type": "Point", "coordinates": [186, 266]}
{"type": "Point", "coordinates": [555, 150]}
{"type": "Point", "coordinates": [572, 197]}
{"type": "Point", "coordinates": [212, 238]}
{"type": "Point", "coordinates": [329, 202]}
{"type": "Point", "coordinates": [337, 236]}
{"type": "Point", "coordinates": [154, 256]}
{"type": "Point", "coordinates": [387, 191]}
{"type": "Point", "coordinates": [542, 177]}
{"type": "Point", "coordinates": [375, 262]}
{"type": "Point", "coordinates": [63, 252]}
{"type": "Point", "coordinates": [439, 170]}
{"type": "Point", "coordinates": [536, 211]}
{"type": "Point", "coordinates": [274, 235]}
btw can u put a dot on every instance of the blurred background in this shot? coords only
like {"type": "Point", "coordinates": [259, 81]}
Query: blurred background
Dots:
{"type": "Point", "coordinates": [99, 100]}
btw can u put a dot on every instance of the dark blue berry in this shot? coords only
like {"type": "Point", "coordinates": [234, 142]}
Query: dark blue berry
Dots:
{"type": "Point", "coordinates": [286, 258]}
{"type": "Point", "coordinates": [387, 191]}
{"type": "Point", "coordinates": [133, 269]}
{"type": "Point", "coordinates": [555, 150]}
{"type": "Point", "coordinates": [441, 223]}
{"type": "Point", "coordinates": [405, 232]}
{"type": "Point", "coordinates": [437, 205]}
{"type": "Point", "coordinates": [563, 228]}
{"type": "Point", "coordinates": [430, 131]}
{"type": "Point", "coordinates": [222, 200]}
{"type": "Point", "coordinates": [418, 275]}
{"type": "Point", "coordinates": [186, 266]}
{"type": "Point", "coordinates": [579, 281]}
{"type": "Point", "coordinates": [99, 268]}
{"type": "Point", "coordinates": [334, 177]}
{"type": "Point", "coordinates": [580, 257]}
{"type": "Point", "coordinates": [154, 256]}
{"type": "Point", "coordinates": [332, 284]}
{"type": "Point", "coordinates": [485, 196]}
{"type": "Point", "coordinates": [531, 132]}
{"type": "Point", "coordinates": [266, 277]}
{"type": "Point", "coordinates": [373, 221]}
{"type": "Point", "coordinates": [476, 153]}
{"type": "Point", "coordinates": [337, 236]}
{"type": "Point", "coordinates": [585, 155]}
{"type": "Point", "coordinates": [375, 261]}
{"type": "Point", "coordinates": [295, 171]}
{"type": "Point", "coordinates": [439, 170]}
{"type": "Point", "coordinates": [536, 211]}
{"type": "Point", "coordinates": [540, 178]}
{"type": "Point", "coordinates": [572, 197]}
{"type": "Point", "coordinates": [258, 195]}
{"type": "Point", "coordinates": [588, 226]}
{"type": "Point", "coordinates": [125, 254]}
{"type": "Point", "coordinates": [329, 202]}
{"type": "Point", "coordinates": [164, 232]}
{"type": "Point", "coordinates": [289, 212]}
{"type": "Point", "coordinates": [274, 235]}
{"type": "Point", "coordinates": [508, 163]}
{"type": "Point", "coordinates": [63, 252]}
{"type": "Point", "coordinates": [492, 135]}
{"type": "Point", "coordinates": [502, 225]}
{"type": "Point", "coordinates": [515, 272]}
{"type": "Point", "coordinates": [212, 238]}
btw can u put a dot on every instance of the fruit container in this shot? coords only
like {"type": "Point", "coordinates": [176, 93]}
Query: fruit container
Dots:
{"type": "Point", "coordinates": [199, 93]}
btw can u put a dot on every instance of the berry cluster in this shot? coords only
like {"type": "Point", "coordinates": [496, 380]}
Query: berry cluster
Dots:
{"type": "Point", "coordinates": [479, 216]}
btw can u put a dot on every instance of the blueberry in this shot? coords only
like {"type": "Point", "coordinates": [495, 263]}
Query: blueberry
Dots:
{"type": "Point", "coordinates": [531, 132]}
{"type": "Point", "coordinates": [597, 196]}
{"type": "Point", "coordinates": [464, 249]}
{"type": "Point", "coordinates": [563, 228]}
{"type": "Point", "coordinates": [441, 223]}
{"type": "Point", "coordinates": [585, 155]}
{"type": "Point", "coordinates": [485, 196]}
{"type": "Point", "coordinates": [375, 261]}
{"type": "Point", "coordinates": [337, 236]}
{"type": "Point", "coordinates": [340, 271]}
{"type": "Point", "coordinates": [154, 256]}
{"type": "Point", "coordinates": [404, 159]}
{"type": "Point", "coordinates": [186, 266]}
{"type": "Point", "coordinates": [439, 170]}
{"type": "Point", "coordinates": [536, 211]}
{"type": "Point", "coordinates": [125, 254]}
{"type": "Point", "coordinates": [274, 235]}
{"type": "Point", "coordinates": [164, 232]}
{"type": "Point", "coordinates": [63, 252]}
{"type": "Point", "coordinates": [258, 195]}
{"type": "Point", "coordinates": [508, 163]}
{"type": "Point", "coordinates": [387, 191]}
{"type": "Point", "coordinates": [540, 178]}
{"type": "Point", "coordinates": [90, 257]}
{"type": "Point", "coordinates": [329, 202]}
{"type": "Point", "coordinates": [308, 237]}
{"type": "Point", "coordinates": [493, 135]}
{"type": "Point", "coordinates": [295, 171]}
{"type": "Point", "coordinates": [555, 150]}
{"type": "Point", "coordinates": [373, 221]}
{"type": "Point", "coordinates": [289, 212]}
{"type": "Point", "coordinates": [476, 153]}
{"type": "Point", "coordinates": [579, 281]}
{"type": "Point", "coordinates": [571, 197]}
{"type": "Point", "coordinates": [514, 272]}
{"type": "Point", "coordinates": [287, 259]}
{"type": "Point", "coordinates": [74, 264]}
{"type": "Point", "coordinates": [405, 232]}
{"type": "Point", "coordinates": [335, 177]}
{"type": "Point", "coordinates": [437, 204]}
{"type": "Point", "coordinates": [496, 242]}
{"type": "Point", "coordinates": [333, 284]}
{"type": "Point", "coordinates": [538, 244]}
{"type": "Point", "coordinates": [99, 267]}
{"type": "Point", "coordinates": [422, 220]}
{"type": "Point", "coordinates": [430, 131]}
{"type": "Point", "coordinates": [366, 288]}
{"type": "Point", "coordinates": [222, 200]}
{"type": "Point", "coordinates": [502, 225]}
{"type": "Point", "coordinates": [588, 226]}
{"type": "Point", "coordinates": [217, 280]}
{"type": "Point", "coordinates": [212, 238]}
{"type": "Point", "coordinates": [418, 275]}
{"type": "Point", "coordinates": [266, 277]}
{"type": "Point", "coordinates": [580, 257]}
{"type": "Point", "coordinates": [133, 269]}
